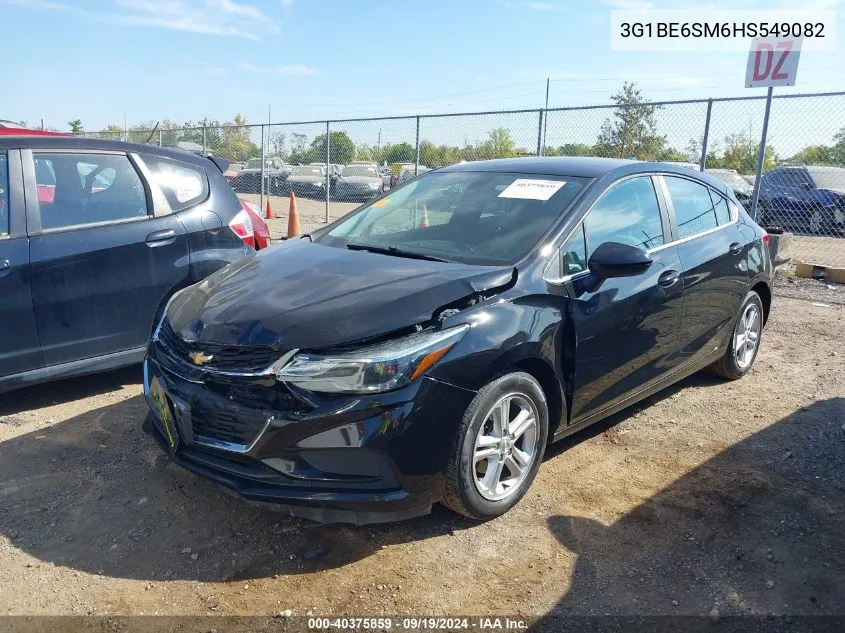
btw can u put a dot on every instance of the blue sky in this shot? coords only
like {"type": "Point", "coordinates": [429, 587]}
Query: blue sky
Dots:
{"type": "Point", "coordinates": [310, 59]}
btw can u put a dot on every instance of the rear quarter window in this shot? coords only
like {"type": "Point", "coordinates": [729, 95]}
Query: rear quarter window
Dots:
{"type": "Point", "coordinates": [183, 185]}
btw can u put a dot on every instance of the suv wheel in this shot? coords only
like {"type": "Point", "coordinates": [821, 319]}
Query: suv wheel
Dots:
{"type": "Point", "coordinates": [498, 447]}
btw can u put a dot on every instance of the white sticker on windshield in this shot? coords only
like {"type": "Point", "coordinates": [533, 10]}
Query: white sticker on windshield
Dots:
{"type": "Point", "coordinates": [530, 189]}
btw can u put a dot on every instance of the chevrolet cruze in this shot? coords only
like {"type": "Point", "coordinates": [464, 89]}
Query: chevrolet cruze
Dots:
{"type": "Point", "coordinates": [428, 346]}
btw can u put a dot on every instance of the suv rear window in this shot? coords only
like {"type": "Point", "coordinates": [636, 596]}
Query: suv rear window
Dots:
{"type": "Point", "coordinates": [183, 185]}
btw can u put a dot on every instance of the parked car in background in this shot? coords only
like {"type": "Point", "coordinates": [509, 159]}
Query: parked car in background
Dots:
{"type": "Point", "coordinates": [385, 363]}
{"type": "Point", "coordinates": [359, 181]}
{"type": "Point", "coordinates": [232, 172]}
{"type": "Point", "coordinates": [408, 172]}
{"type": "Point", "coordinates": [307, 180]}
{"type": "Point", "coordinates": [86, 269]}
{"type": "Point", "coordinates": [260, 233]}
{"type": "Point", "coordinates": [743, 190]}
{"type": "Point", "coordinates": [248, 179]}
{"type": "Point", "coordinates": [807, 199]}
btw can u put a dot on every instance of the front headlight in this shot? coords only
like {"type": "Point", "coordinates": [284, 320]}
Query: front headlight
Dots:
{"type": "Point", "coordinates": [373, 185]}
{"type": "Point", "coordinates": [320, 184]}
{"type": "Point", "coordinates": [372, 369]}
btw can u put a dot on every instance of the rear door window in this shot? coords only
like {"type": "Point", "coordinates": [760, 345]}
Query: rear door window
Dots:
{"type": "Point", "coordinates": [75, 189]}
{"type": "Point", "coordinates": [694, 211]}
{"type": "Point", "coordinates": [723, 215]}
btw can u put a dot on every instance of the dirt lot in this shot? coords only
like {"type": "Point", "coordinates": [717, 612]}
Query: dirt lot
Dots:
{"type": "Point", "coordinates": [710, 498]}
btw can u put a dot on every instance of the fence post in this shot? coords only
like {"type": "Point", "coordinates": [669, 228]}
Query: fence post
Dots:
{"type": "Point", "coordinates": [159, 137]}
{"type": "Point", "coordinates": [540, 133]}
{"type": "Point", "coordinates": [417, 159]}
{"type": "Point", "coordinates": [703, 160]}
{"type": "Point", "coordinates": [328, 168]}
{"type": "Point", "coordinates": [762, 157]}
{"type": "Point", "coordinates": [203, 139]}
{"type": "Point", "coordinates": [261, 188]}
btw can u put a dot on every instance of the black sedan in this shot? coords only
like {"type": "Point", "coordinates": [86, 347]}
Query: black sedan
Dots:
{"type": "Point", "coordinates": [428, 346]}
{"type": "Point", "coordinates": [95, 236]}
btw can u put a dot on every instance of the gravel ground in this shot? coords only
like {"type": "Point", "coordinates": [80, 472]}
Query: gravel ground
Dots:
{"type": "Point", "coordinates": [711, 498]}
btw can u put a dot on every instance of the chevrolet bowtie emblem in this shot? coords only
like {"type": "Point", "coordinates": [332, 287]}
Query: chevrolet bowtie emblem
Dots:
{"type": "Point", "coordinates": [199, 358]}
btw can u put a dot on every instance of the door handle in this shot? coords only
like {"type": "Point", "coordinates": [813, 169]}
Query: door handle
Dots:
{"type": "Point", "coordinates": [161, 238]}
{"type": "Point", "coordinates": [668, 278]}
{"type": "Point", "coordinates": [735, 248]}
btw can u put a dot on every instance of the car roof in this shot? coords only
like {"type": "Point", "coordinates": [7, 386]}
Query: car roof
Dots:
{"type": "Point", "coordinates": [24, 141]}
{"type": "Point", "coordinates": [580, 166]}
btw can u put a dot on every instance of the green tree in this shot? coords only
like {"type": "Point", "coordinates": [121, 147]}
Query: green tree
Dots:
{"type": "Point", "coordinates": [633, 131]}
{"type": "Point", "coordinates": [112, 131]}
{"type": "Point", "coordinates": [837, 152]}
{"type": "Point", "coordinates": [571, 149]}
{"type": "Point", "coordinates": [75, 126]}
{"type": "Point", "coordinates": [341, 150]}
{"type": "Point", "coordinates": [672, 155]}
{"type": "Point", "coordinates": [400, 153]}
{"type": "Point", "coordinates": [741, 154]}
{"type": "Point", "coordinates": [500, 144]}
{"type": "Point", "coordinates": [813, 155]}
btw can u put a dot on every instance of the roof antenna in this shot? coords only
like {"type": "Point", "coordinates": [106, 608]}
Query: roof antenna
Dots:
{"type": "Point", "coordinates": [151, 133]}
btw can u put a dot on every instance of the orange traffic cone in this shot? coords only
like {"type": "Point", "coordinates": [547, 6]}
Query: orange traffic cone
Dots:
{"type": "Point", "coordinates": [268, 213]}
{"type": "Point", "coordinates": [293, 218]}
{"type": "Point", "coordinates": [424, 217]}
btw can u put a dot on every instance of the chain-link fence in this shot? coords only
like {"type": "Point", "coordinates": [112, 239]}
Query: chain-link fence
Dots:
{"type": "Point", "coordinates": [335, 165]}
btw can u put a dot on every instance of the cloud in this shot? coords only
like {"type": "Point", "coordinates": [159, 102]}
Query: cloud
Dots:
{"type": "Point", "coordinates": [209, 17]}
{"type": "Point", "coordinates": [544, 6]}
{"type": "Point", "coordinates": [292, 70]}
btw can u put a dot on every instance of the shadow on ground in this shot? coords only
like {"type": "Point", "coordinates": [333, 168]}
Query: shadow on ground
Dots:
{"type": "Point", "coordinates": [758, 529]}
{"type": "Point", "coordinates": [96, 494]}
{"type": "Point", "coordinates": [63, 391]}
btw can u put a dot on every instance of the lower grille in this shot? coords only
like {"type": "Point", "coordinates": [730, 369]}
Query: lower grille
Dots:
{"type": "Point", "coordinates": [240, 428]}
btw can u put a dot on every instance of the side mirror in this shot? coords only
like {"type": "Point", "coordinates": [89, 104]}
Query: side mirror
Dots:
{"type": "Point", "coordinates": [611, 260]}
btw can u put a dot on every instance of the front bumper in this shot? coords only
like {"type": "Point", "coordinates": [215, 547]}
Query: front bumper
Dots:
{"type": "Point", "coordinates": [338, 459]}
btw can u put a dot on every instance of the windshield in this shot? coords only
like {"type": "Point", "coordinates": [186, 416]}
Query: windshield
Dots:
{"type": "Point", "coordinates": [306, 170]}
{"type": "Point", "coordinates": [360, 170]}
{"type": "Point", "coordinates": [828, 177]}
{"type": "Point", "coordinates": [255, 163]}
{"type": "Point", "coordinates": [485, 218]}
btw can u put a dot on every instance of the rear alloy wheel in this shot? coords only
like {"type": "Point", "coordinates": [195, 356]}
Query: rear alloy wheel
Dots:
{"type": "Point", "coordinates": [745, 342]}
{"type": "Point", "coordinates": [498, 447]}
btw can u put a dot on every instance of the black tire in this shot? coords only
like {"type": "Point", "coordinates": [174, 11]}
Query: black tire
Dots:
{"type": "Point", "coordinates": [728, 366]}
{"type": "Point", "coordinates": [461, 494]}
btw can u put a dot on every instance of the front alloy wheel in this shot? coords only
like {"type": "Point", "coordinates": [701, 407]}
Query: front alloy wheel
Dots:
{"type": "Point", "coordinates": [505, 447]}
{"type": "Point", "coordinates": [498, 447]}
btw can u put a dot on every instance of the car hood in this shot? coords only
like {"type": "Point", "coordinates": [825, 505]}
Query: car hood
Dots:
{"type": "Point", "coordinates": [300, 295]}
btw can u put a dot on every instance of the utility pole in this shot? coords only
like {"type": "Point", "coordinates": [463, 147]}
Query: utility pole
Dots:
{"type": "Point", "coordinates": [545, 117]}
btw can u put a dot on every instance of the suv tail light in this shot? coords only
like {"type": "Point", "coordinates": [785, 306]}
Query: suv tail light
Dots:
{"type": "Point", "coordinates": [241, 226]}
{"type": "Point", "coordinates": [765, 238]}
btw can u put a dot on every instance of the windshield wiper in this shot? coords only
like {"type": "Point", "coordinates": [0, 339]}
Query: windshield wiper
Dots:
{"type": "Point", "coordinates": [393, 250]}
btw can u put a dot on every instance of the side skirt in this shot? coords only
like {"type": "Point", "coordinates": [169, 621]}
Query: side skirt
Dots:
{"type": "Point", "coordinates": [107, 362]}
